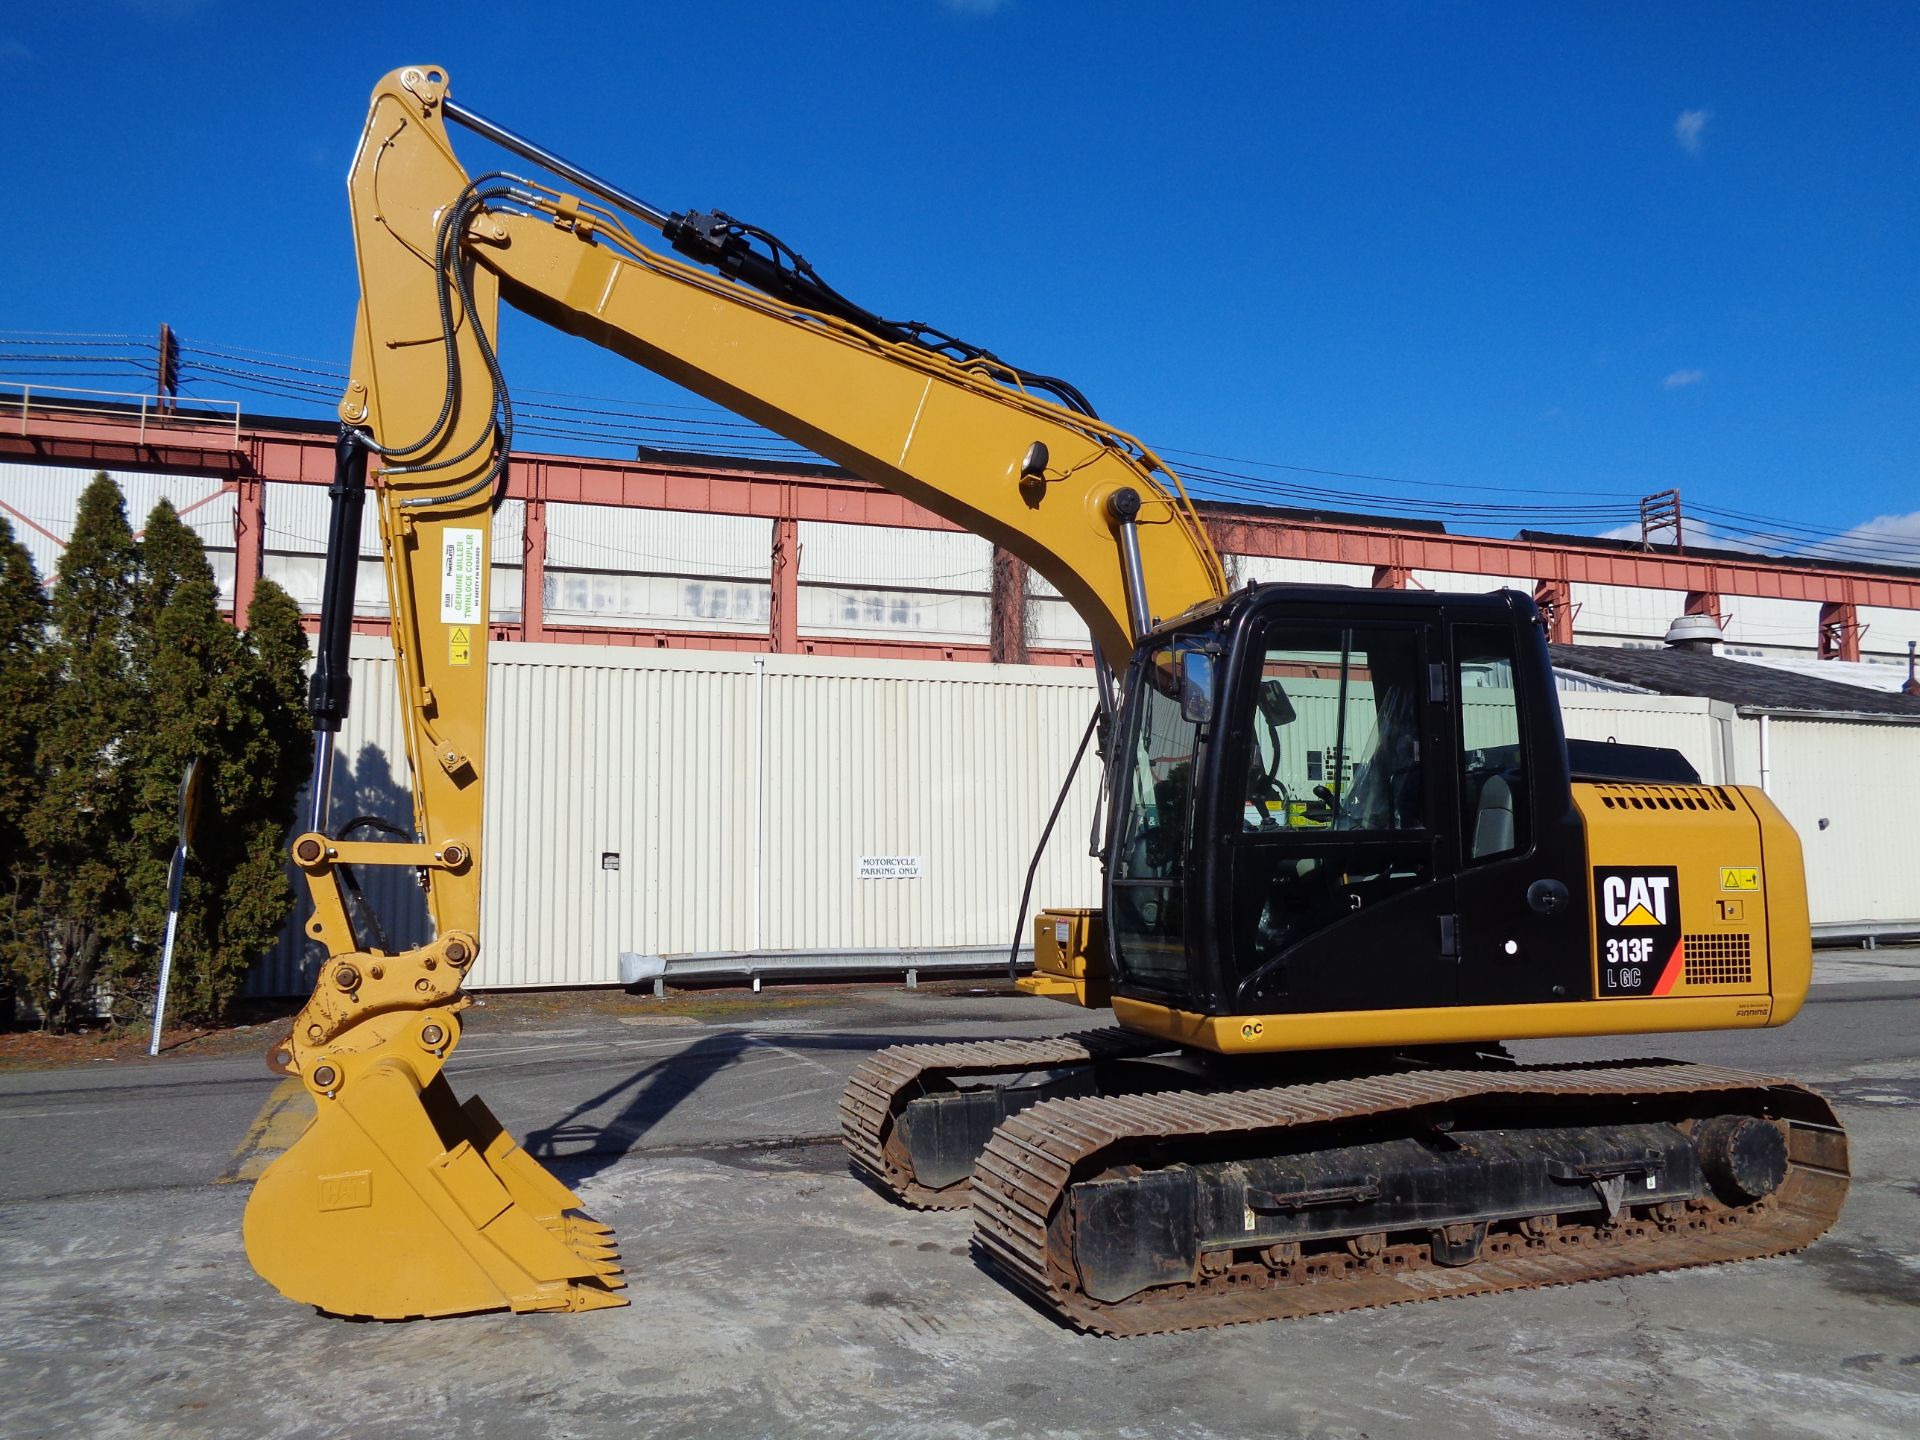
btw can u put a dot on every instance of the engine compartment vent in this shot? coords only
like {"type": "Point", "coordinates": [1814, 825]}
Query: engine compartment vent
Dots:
{"type": "Point", "coordinates": [1719, 959]}
{"type": "Point", "coordinates": [1665, 797]}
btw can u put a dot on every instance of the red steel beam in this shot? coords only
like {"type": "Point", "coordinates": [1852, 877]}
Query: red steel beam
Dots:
{"type": "Point", "coordinates": [249, 544]}
{"type": "Point", "coordinates": [533, 572]}
{"type": "Point", "coordinates": [783, 612]}
{"type": "Point", "coordinates": [296, 457]}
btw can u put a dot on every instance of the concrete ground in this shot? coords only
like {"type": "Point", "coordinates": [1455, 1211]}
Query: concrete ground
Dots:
{"type": "Point", "coordinates": [776, 1296]}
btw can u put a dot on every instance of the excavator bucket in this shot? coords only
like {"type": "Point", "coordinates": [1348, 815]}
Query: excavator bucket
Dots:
{"type": "Point", "coordinates": [398, 1202]}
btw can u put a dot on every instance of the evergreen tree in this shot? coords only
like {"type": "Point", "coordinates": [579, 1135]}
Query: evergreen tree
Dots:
{"type": "Point", "coordinates": [171, 555]}
{"type": "Point", "coordinates": [184, 656]}
{"type": "Point", "coordinates": [78, 827]}
{"type": "Point", "coordinates": [23, 697]}
{"type": "Point", "coordinates": [265, 761]}
{"type": "Point", "coordinates": [189, 658]}
{"type": "Point", "coordinates": [235, 702]}
{"type": "Point", "coordinates": [139, 675]}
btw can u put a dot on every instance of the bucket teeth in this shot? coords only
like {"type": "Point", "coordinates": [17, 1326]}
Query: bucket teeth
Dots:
{"type": "Point", "coordinates": [584, 1237]}
{"type": "Point", "coordinates": [593, 1297]}
{"type": "Point", "coordinates": [592, 1293]}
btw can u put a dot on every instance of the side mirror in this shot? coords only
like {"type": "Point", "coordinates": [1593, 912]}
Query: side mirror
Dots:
{"type": "Point", "coordinates": [1196, 686]}
{"type": "Point", "coordinates": [1275, 707]}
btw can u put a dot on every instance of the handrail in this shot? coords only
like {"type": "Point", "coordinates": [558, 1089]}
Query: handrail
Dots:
{"type": "Point", "coordinates": [160, 410]}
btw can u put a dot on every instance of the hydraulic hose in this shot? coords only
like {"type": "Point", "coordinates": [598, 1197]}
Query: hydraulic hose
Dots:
{"type": "Point", "coordinates": [1026, 891]}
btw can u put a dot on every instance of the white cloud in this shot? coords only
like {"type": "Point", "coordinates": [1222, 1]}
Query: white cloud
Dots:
{"type": "Point", "coordinates": [1680, 379]}
{"type": "Point", "coordinates": [1691, 128]}
{"type": "Point", "coordinates": [976, 7]}
{"type": "Point", "coordinates": [1884, 540]}
{"type": "Point", "coordinates": [1702, 534]}
{"type": "Point", "coordinates": [1893, 539]}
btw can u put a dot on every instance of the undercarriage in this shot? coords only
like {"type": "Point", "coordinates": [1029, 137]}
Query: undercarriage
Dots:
{"type": "Point", "coordinates": [1131, 1189]}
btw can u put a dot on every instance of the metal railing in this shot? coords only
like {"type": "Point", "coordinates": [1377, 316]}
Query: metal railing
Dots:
{"type": "Point", "coordinates": [129, 407]}
{"type": "Point", "coordinates": [756, 965]}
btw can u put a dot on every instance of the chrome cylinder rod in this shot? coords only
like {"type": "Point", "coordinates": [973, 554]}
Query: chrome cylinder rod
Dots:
{"type": "Point", "coordinates": [566, 169]}
{"type": "Point", "coordinates": [1123, 509]}
{"type": "Point", "coordinates": [320, 788]}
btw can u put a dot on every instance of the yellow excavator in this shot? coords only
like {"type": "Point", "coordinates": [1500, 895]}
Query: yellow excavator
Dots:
{"type": "Point", "coordinates": [1347, 850]}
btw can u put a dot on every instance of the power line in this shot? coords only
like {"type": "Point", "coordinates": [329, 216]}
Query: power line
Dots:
{"type": "Point", "coordinates": [1811, 539]}
{"type": "Point", "coordinates": [66, 335]}
{"type": "Point", "coordinates": [621, 426]}
{"type": "Point", "coordinates": [1620, 495]}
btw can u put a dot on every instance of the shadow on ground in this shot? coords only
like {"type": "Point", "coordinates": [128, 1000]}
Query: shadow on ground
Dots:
{"type": "Point", "coordinates": [658, 1087]}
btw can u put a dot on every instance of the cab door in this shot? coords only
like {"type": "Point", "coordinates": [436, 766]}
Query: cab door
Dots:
{"type": "Point", "coordinates": [1338, 893]}
{"type": "Point", "coordinates": [1521, 920]}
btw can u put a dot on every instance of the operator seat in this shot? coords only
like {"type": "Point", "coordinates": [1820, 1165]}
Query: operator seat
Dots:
{"type": "Point", "coordinates": [1493, 827]}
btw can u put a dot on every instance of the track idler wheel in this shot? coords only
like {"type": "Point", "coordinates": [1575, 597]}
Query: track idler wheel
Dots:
{"type": "Point", "coordinates": [1743, 1157]}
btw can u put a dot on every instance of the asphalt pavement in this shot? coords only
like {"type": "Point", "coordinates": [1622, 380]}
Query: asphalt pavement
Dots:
{"type": "Point", "coordinates": [776, 1295]}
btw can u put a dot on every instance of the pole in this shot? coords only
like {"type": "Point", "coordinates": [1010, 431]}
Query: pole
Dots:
{"type": "Point", "coordinates": [176, 879]}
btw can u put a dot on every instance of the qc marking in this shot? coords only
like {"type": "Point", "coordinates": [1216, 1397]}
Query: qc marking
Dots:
{"type": "Point", "coordinates": [284, 1115]}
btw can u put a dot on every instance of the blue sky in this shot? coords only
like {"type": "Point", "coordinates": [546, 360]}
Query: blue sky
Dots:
{"type": "Point", "coordinates": [1571, 254]}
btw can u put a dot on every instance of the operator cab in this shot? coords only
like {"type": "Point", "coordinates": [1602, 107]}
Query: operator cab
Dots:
{"type": "Point", "coordinates": [1314, 786]}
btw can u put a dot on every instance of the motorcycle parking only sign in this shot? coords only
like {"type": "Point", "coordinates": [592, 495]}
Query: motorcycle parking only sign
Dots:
{"type": "Point", "coordinates": [887, 867]}
{"type": "Point", "coordinates": [1637, 914]}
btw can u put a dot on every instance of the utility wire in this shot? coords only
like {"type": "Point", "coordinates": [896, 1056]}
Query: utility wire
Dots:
{"type": "Point", "coordinates": [623, 426]}
{"type": "Point", "coordinates": [1394, 480]}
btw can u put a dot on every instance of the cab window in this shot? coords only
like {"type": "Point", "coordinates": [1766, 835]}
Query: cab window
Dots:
{"type": "Point", "coordinates": [1335, 720]}
{"type": "Point", "coordinates": [1334, 816]}
{"type": "Point", "coordinates": [1493, 790]}
{"type": "Point", "coordinates": [1153, 809]}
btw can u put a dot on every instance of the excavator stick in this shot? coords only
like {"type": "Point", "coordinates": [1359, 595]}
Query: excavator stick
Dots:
{"type": "Point", "coordinates": [399, 1201]}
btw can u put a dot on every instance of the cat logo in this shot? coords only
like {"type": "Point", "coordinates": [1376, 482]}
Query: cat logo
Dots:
{"type": "Point", "coordinates": [1635, 899]}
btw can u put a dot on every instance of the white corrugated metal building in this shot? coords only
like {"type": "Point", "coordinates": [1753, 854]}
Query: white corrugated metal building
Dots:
{"type": "Point", "coordinates": [738, 793]}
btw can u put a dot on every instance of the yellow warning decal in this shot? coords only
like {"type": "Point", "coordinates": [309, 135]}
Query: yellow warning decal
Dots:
{"type": "Point", "coordinates": [460, 651]}
{"type": "Point", "coordinates": [1739, 877]}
